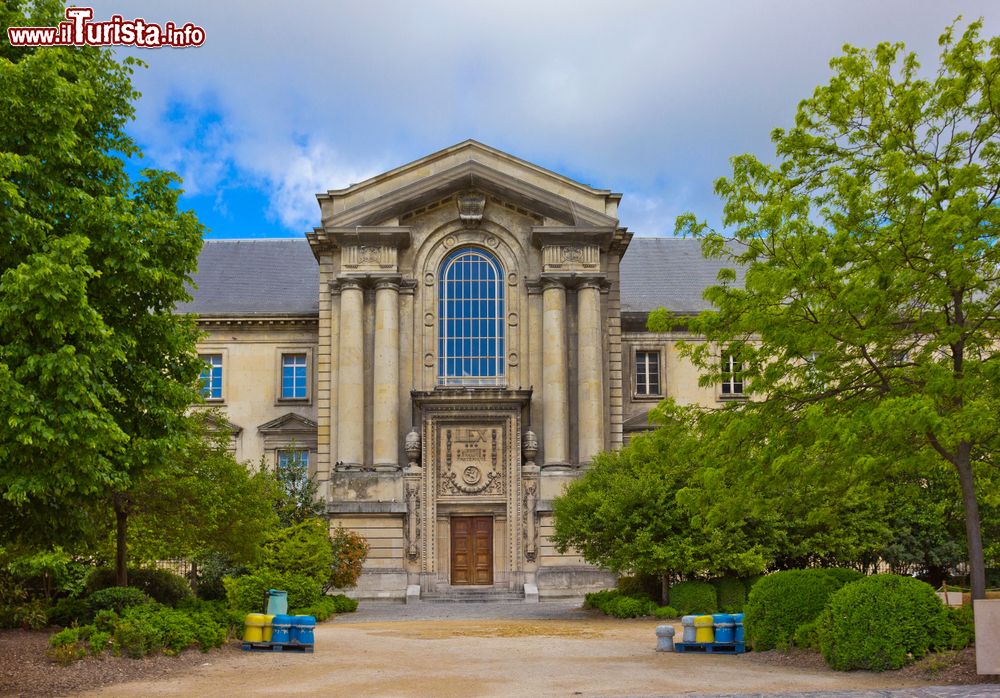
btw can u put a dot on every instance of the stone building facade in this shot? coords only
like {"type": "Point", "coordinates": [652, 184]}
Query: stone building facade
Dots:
{"type": "Point", "coordinates": [447, 350]}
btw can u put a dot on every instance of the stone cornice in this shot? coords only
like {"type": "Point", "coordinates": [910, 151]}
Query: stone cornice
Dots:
{"type": "Point", "coordinates": [459, 398]}
{"type": "Point", "coordinates": [601, 235]}
{"type": "Point", "coordinates": [337, 237]}
{"type": "Point", "coordinates": [259, 322]}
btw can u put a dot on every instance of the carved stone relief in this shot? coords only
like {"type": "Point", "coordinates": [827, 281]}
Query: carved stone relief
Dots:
{"type": "Point", "coordinates": [530, 500]}
{"type": "Point", "coordinates": [474, 462]}
{"type": "Point", "coordinates": [571, 258]}
{"type": "Point", "coordinates": [369, 258]}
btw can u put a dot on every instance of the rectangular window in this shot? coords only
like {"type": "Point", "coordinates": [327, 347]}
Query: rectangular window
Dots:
{"type": "Point", "coordinates": [211, 376]}
{"type": "Point", "coordinates": [293, 470]}
{"type": "Point", "coordinates": [647, 373]}
{"type": "Point", "coordinates": [293, 377]}
{"type": "Point", "coordinates": [732, 375]}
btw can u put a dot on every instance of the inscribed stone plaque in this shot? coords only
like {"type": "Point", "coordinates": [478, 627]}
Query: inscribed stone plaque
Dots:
{"type": "Point", "coordinates": [472, 460]}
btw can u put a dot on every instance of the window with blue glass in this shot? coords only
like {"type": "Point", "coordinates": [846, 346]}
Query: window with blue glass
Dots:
{"type": "Point", "coordinates": [293, 377]}
{"type": "Point", "coordinates": [211, 377]}
{"type": "Point", "coordinates": [293, 470]}
{"type": "Point", "coordinates": [471, 319]}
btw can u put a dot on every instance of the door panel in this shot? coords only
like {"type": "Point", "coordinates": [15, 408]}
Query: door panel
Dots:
{"type": "Point", "coordinates": [472, 550]}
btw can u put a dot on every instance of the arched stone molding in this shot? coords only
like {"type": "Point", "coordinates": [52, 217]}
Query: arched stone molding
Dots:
{"type": "Point", "coordinates": [511, 254]}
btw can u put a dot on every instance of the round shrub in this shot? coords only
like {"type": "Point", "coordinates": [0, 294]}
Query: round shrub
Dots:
{"type": "Point", "coordinates": [163, 586]}
{"type": "Point", "coordinates": [666, 612]}
{"type": "Point", "coordinates": [693, 597]}
{"type": "Point", "coordinates": [883, 622]}
{"type": "Point", "coordinates": [598, 599]}
{"type": "Point", "coordinates": [629, 607]}
{"type": "Point", "coordinates": [116, 599]}
{"type": "Point", "coordinates": [843, 575]}
{"type": "Point", "coordinates": [731, 594]}
{"type": "Point", "coordinates": [780, 602]}
{"type": "Point", "coordinates": [67, 612]}
{"type": "Point", "coordinates": [344, 604]}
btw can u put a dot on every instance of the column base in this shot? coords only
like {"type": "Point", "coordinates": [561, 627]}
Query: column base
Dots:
{"type": "Point", "coordinates": [558, 466]}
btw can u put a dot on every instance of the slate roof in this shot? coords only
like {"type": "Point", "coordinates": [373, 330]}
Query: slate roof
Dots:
{"type": "Point", "coordinates": [255, 277]}
{"type": "Point", "coordinates": [668, 272]}
{"type": "Point", "coordinates": [281, 277]}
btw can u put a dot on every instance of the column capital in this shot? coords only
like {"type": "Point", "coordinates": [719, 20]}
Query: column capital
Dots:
{"type": "Point", "coordinates": [551, 282]}
{"type": "Point", "coordinates": [387, 284]}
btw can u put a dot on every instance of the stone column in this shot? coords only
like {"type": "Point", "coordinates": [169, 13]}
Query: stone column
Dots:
{"type": "Point", "coordinates": [385, 436]}
{"type": "Point", "coordinates": [555, 391]}
{"type": "Point", "coordinates": [351, 379]}
{"type": "Point", "coordinates": [590, 360]}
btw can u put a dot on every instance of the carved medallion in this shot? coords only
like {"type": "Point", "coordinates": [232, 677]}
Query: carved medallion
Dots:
{"type": "Point", "coordinates": [472, 461]}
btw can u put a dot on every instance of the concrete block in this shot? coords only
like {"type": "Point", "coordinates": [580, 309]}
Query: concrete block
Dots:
{"type": "Point", "coordinates": [987, 613]}
{"type": "Point", "coordinates": [412, 593]}
{"type": "Point", "coordinates": [530, 593]}
{"type": "Point", "coordinates": [950, 598]}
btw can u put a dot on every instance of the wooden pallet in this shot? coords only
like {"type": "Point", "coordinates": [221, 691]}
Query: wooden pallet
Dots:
{"type": "Point", "coordinates": [277, 647]}
{"type": "Point", "coordinates": [711, 647]}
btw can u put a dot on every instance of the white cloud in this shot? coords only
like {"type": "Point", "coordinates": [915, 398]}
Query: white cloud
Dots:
{"type": "Point", "coordinates": [647, 97]}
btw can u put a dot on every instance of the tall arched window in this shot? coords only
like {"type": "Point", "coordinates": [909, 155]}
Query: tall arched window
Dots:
{"type": "Point", "coordinates": [471, 325]}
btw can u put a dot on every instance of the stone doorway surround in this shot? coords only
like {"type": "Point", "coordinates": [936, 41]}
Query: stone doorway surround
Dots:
{"type": "Point", "coordinates": [471, 467]}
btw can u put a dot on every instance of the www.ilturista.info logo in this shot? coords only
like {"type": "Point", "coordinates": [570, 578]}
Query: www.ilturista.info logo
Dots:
{"type": "Point", "coordinates": [78, 30]}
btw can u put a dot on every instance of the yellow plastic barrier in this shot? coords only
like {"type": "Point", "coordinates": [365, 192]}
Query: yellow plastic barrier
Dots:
{"type": "Point", "coordinates": [703, 629]}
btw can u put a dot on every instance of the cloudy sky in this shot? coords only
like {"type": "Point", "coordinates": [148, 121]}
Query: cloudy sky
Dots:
{"type": "Point", "coordinates": [646, 98]}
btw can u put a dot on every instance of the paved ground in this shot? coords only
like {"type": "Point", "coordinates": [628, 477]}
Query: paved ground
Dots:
{"type": "Point", "coordinates": [546, 649]}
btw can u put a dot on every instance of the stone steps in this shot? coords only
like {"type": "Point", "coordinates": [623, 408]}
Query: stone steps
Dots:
{"type": "Point", "coordinates": [473, 596]}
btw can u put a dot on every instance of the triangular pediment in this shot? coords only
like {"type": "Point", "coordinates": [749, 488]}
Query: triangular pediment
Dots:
{"type": "Point", "coordinates": [469, 165]}
{"type": "Point", "coordinates": [638, 422]}
{"type": "Point", "coordinates": [217, 423]}
{"type": "Point", "coordinates": [289, 423]}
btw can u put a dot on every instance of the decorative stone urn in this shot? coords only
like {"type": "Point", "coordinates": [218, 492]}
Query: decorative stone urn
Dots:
{"type": "Point", "coordinates": [529, 447]}
{"type": "Point", "coordinates": [412, 447]}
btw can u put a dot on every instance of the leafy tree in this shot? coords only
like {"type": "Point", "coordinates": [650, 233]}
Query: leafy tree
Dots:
{"type": "Point", "coordinates": [208, 503]}
{"type": "Point", "coordinates": [635, 512]}
{"type": "Point", "coordinates": [96, 372]}
{"type": "Point", "coordinates": [872, 263]}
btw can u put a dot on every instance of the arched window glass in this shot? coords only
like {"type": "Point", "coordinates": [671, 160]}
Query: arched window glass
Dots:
{"type": "Point", "coordinates": [471, 324]}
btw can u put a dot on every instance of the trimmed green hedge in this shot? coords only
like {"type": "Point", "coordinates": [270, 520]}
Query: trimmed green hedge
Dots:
{"type": "Point", "coordinates": [781, 602]}
{"type": "Point", "coordinates": [612, 602]}
{"type": "Point", "coordinates": [731, 593]}
{"type": "Point", "coordinates": [883, 622]}
{"type": "Point", "coordinates": [116, 599]}
{"type": "Point", "coordinates": [693, 597]}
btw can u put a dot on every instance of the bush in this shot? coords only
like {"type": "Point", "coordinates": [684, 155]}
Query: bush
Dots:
{"type": "Point", "coordinates": [598, 599]}
{"type": "Point", "coordinates": [218, 612]}
{"type": "Point", "coordinates": [99, 642]}
{"type": "Point", "coordinates": [31, 615]}
{"type": "Point", "coordinates": [781, 602]}
{"type": "Point", "coordinates": [807, 635]}
{"type": "Point", "coordinates": [964, 625]}
{"type": "Point", "coordinates": [65, 654]}
{"type": "Point", "coordinates": [666, 612]}
{"type": "Point", "coordinates": [116, 599]}
{"type": "Point", "coordinates": [843, 575]}
{"type": "Point", "coordinates": [67, 612]}
{"type": "Point", "coordinates": [67, 636]}
{"type": "Point", "coordinates": [144, 630]}
{"type": "Point", "coordinates": [641, 586]}
{"type": "Point", "coordinates": [246, 593]}
{"type": "Point", "coordinates": [106, 620]}
{"type": "Point", "coordinates": [693, 597]}
{"type": "Point", "coordinates": [344, 604]}
{"type": "Point", "coordinates": [211, 570]}
{"type": "Point", "coordinates": [883, 622]}
{"type": "Point", "coordinates": [629, 607]}
{"type": "Point", "coordinates": [350, 550]}
{"type": "Point", "coordinates": [302, 548]}
{"type": "Point", "coordinates": [161, 585]}
{"type": "Point", "coordinates": [730, 593]}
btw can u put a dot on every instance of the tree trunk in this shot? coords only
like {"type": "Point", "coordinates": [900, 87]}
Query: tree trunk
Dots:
{"type": "Point", "coordinates": [973, 535]}
{"type": "Point", "coordinates": [121, 523]}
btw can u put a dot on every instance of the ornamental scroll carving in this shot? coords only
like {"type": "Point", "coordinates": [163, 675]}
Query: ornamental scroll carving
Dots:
{"type": "Point", "coordinates": [412, 519]}
{"type": "Point", "coordinates": [530, 500]}
{"type": "Point", "coordinates": [472, 461]}
{"type": "Point", "coordinates": [369, 258]}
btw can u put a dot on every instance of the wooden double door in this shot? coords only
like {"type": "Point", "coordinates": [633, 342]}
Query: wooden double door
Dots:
{"type": "Point", "coordinates": [471, 550]}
